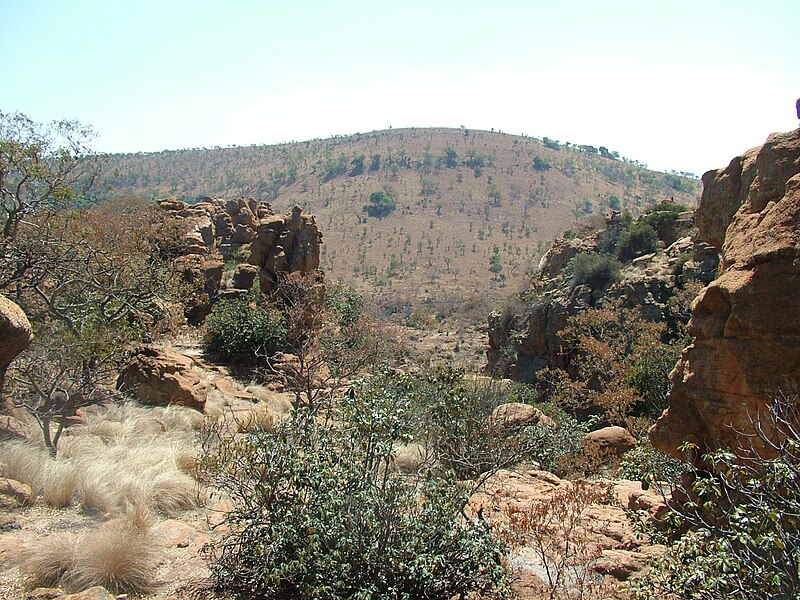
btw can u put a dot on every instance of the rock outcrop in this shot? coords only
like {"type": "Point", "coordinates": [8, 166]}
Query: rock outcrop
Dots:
{"type": "Point", "coordinates": [161, 376]}
{"type": "Point", "coordinates": [15, 334]}
{"type": "Point", "coordinates": [531, 341]}
{"type": "Point", "coordinates": [746, 323]}
{"type": "Point", "coordinates": [245, 231]}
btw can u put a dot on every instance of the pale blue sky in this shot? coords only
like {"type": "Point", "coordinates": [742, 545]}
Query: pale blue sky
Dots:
{"type": "Point", "coordinates": [677, 85]}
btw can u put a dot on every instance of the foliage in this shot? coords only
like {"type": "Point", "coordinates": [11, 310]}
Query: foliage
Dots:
{"type": "Point", "coordinates": [597, 270]}
{"type": "Point", "coordinates": [559, 533]}
{"type": "Point", "coordinates": [243, 330]}
{"type": "Point", "coordinates": [608, 240]}
{"type": "Point", "coordinates": [620, 365]}
{"type": "Point", "coordinates": [677, 183]}
{"type": "Point", "coordinates": [345, 302]}
{"type": "Point", "coordinates": [455, 425]}
{"type": "Point", "coordinates": [92, 281]}
{"type": "Point", "coordinates": [540, 164]}
{"type": "Point", "coordinates": [738, 534]}
{"type": "Point", "coordinates": [450, 158]}
{"type": "Point", "coordinates": [638, 239]}
{"type": "Point", "coordinates": [319, 513]}
{"type": "Point", "coordinates": [648, 465]}
{"type": "Point", "coordinates": [553, 446]}
{"type": "Point", "coordinates": [381, 204]}
{"type": "Point", "coordinates": [663, 214]}
{"type": "Point", "coordinates": [41, 166]}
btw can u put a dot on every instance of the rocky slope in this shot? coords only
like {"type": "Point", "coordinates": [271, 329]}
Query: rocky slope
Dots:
{"type": "Point", "coordinates": [524, 339]}
{"type": "Point", "coordinates": [746, 323]}
{"type": "Point", "coordinates": [462, 196]}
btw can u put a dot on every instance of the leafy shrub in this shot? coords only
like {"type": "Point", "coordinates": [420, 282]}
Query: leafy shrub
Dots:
{"type": "Point", "coordinates": [380, 205]}
{"type": "Point", "coordinates": [540, 164]}
{"type": "Point", "coordinates": [738, 534]}
{"type": "Point", "coordinates": [638, 239]}
{"type": "Point", "coordinates": [318, 513]}
{"type": "Point", "coordinates": [648, 465]}
{"type": "Point", "coordinates": [663, 213]}
{"type": "Point", "coordinates": [454, 422]}
{"type": "Point", "coordinates": [243, 330]}
{"type": "Point", "coordinates": [597, 270]}
{"type": "Point", "coordinates": [345, 302]}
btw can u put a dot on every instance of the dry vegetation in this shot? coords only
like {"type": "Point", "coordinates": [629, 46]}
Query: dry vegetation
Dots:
{"type": "Point", "coordinates": [462, 197]}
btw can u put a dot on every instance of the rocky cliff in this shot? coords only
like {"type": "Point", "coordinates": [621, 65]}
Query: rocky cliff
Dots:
{"type": "Point", "coordinates": [746, 323]}
{"type": "Point", "coordinates": [520, 344]}
{"type": "Point", "coordinates": [249, 233]}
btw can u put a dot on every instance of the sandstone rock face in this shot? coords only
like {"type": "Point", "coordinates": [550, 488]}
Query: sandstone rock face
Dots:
{"type": "Point", "coordinates": [161, 376]}
{"type": "Point", "coordinates": [243, 230]}
{"type": "Point", "coordinates": [608, 542]}
{"type": "Point", "coordinates": [15, 334]}
{"type": "Point", "coordinates": [746, 323]}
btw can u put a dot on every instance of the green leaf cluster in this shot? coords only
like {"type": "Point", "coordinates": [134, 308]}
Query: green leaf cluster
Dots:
{"type": "Point", "coordinates": [243, 330]}
{"type": "Point", "coordinates": [319, 512]}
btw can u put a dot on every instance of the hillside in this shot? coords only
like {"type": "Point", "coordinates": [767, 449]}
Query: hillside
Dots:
{"type": "Point", "coordinates": [462, 198]}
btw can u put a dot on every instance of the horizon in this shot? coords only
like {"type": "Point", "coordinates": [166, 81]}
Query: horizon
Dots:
{"type": "Point", "coordinates": [661, 84]}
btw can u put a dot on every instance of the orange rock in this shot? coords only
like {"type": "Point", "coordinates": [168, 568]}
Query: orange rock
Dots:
{"type": "Point", "coordinates": [746, 323]}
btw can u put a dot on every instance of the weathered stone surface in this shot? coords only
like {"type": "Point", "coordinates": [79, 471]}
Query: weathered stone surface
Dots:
{"type": "Point", "coordinates": [161, 376]}
{"type": "Point", "coordinates": [514, 415]}
{"type": "Point", "coordinates": [746, 323]}
{"type": "Point", "coordinates": [13, 493]}
{"type": "Point", "coordinates": [612, 440]}
{"type": "Point", "coordinates": [242, 229]}
{"type": "Point", "coordinates": [603, 526]}
{"type": "Point", "coordinates": [15, 334]}
{"type": "Point", "coordinates": [94, 593]}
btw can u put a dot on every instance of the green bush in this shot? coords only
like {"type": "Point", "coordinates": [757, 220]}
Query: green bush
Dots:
{"type": "Point", "coordinates": [319, 513]}
{"type": "Point", "coordinates": [648, 465]}
{"type": "Point", "coordinates": [738, 534]}
{"type": "Point", "coordinates": [242, 330]}
{"type": "Point", "coordinates": [345, 302]}
{"type": "Point", "coordinates": [638, 239]}
{"type": "Point", "coordinates": [597, 270]}
{"type": "Point", "coordinates": [380, 205]}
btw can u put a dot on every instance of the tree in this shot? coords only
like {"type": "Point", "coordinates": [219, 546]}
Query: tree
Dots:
{"type": "Point", "coordinates": [381, 204]}
{"type": "Point", "coordinates": [495, 265]}
{"type": "Point", "coordinates": [41, 167]}
{"type": "Point", "coordinates": [91, 280]}
{"type": "Point", "coordinates": [450, 158]}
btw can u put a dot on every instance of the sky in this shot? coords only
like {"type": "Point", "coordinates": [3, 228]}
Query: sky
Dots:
{"type": "Point", "coordinates": [677, 85]}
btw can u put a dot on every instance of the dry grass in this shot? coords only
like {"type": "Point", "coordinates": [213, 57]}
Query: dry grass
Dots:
{"type": "Point", "coordinates": [120, 556]}
{"type": "Point", "coordinates": [121, 456]}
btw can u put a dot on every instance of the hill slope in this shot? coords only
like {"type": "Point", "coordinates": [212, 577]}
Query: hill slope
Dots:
{"type": "Point", "coordinates": [466, 202]}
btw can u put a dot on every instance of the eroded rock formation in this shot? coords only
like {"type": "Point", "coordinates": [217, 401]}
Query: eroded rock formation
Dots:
{"type": "Point", "coordinates": [648, 283]}
{"type": "Point", "coordinates": [264, 244]}
{"type": "Point", "coordinates": [746, 323]}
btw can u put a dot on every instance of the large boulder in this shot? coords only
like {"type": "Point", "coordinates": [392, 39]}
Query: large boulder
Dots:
{"type": "Point", "coordinates": [161, 376]}
{"type": "Point", "coordinates": [15, 334]}
{"type": "Point", "coordinates": [746, 323]}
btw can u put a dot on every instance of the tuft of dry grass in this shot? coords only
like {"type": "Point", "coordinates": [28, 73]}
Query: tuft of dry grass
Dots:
{"type": "Point", "coordinates": [120, 456]}
{"type": "Point", "coordinates": [120, 556]}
